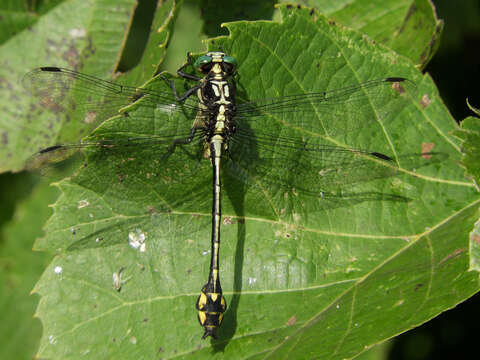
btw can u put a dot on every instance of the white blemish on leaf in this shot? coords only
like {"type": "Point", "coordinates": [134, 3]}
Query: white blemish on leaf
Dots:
{"type": "Point", "coordinates": [82, 204]}
{"type": "Point", "coordinates": [425, 101]}
{"type": "Point", "coordinates": [90, 117]}
{"type": "Point", "coordinates": [118, 282]}
{"type": "Point", "coordinates": [136, 239]}
{"type": "Point", "coordinates": [77, 33]}
{"type": "Point", "coordinates": [227, 220]}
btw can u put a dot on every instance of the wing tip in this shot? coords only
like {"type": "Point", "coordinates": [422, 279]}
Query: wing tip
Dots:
{"type": "Point", "coordinates": [50, 69]}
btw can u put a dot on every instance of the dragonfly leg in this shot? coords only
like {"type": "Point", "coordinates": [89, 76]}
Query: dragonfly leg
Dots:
{"type": "Point", "coordinates": [185, 141]}
{"type": "Point", "coordinates": [185, 75]}
{"type": "Point", "coordinates": [187, 93]}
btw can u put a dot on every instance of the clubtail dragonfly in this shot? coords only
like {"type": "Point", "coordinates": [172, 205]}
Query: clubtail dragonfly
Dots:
{"type": "Point", "coordinates": [236, 137]}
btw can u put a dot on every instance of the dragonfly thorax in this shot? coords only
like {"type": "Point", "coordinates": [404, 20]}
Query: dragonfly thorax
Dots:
{"type": "Point", "coordinates": [217, 104]}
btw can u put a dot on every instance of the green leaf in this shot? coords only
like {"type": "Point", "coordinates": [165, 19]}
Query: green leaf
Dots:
{"type": "Point", "coordinates": [378, 352]}
{"type": "Point", "coordinates": [306, 284]}
{"type": "Point", "coordinates": [20, 269]}
{"type": "Point", "coordinates": [410, 27]}
{"type": "Point", "coordinates": [215, 15]}
{"type": "Point", "coordinates": [187, 36]}
{"type": "Point", "coordinates": [18, 15]}
{"type": "Point", "coordinates": [469, 133]}
{"type": "Point", "coordinates": [74, 34]}
{"type": "Point", "coordinates": [155, 49]}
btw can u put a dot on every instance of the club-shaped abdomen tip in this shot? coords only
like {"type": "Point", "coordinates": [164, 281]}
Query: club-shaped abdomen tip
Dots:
{"type": "Point", "coordinates": [210, 307]}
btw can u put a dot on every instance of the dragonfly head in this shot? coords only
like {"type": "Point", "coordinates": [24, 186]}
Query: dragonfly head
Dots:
{"type": "Point", "coordinates": [217, 62]}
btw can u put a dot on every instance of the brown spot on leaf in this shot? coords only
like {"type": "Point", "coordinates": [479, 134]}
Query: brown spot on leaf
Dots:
{"type": "Point", "coordinates": [291, 321]}
{"type": "Point", "coordinates": [425, 101]}
{"type": "Point", "coordinates": [90, 117]}
{"type": "Point", "coordinates": [398, 87]}
{"type": "Point", "coordinates": [426, 149]}
{"type": "Point", "coordinates": [50, 104]}
{"type": "Point", "coordinates": [476, 239]}
{"type": "Point", "coordinates": [452, 255]}
{"type": "Point", "coordinates": [151, 209]}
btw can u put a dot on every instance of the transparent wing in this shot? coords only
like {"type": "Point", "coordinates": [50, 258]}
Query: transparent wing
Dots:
{"type": "Point", "coordinates": [313, 167]}
{"type": "Point", "coordinates": [161, 119]}
{"type": "Point", "coordinates": [256, 148]}
{"type": "Point", "coordinates": [309, 166]}
{"type": "Point", "coordinates": [93, 99]}
{"type": "Point", "coordinates": [286, 141]}
{"type": "Point", "coordinates": [335, 111]}
{"type": "Point", "coordinates": [50, 158]}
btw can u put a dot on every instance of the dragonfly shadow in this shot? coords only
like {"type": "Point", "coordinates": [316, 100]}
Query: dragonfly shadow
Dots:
{"type": "Point", "coordinates": [235, 190]}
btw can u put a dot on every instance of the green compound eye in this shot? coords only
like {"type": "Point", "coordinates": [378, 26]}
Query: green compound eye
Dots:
{"type": "Point", "coordinates": [202, 60]}
{"type": "Point", "coordinates": [230, 60]}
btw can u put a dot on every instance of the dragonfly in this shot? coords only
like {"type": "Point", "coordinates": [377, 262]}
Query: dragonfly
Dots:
{"type": "Point", "coordinates": [247, 139]}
